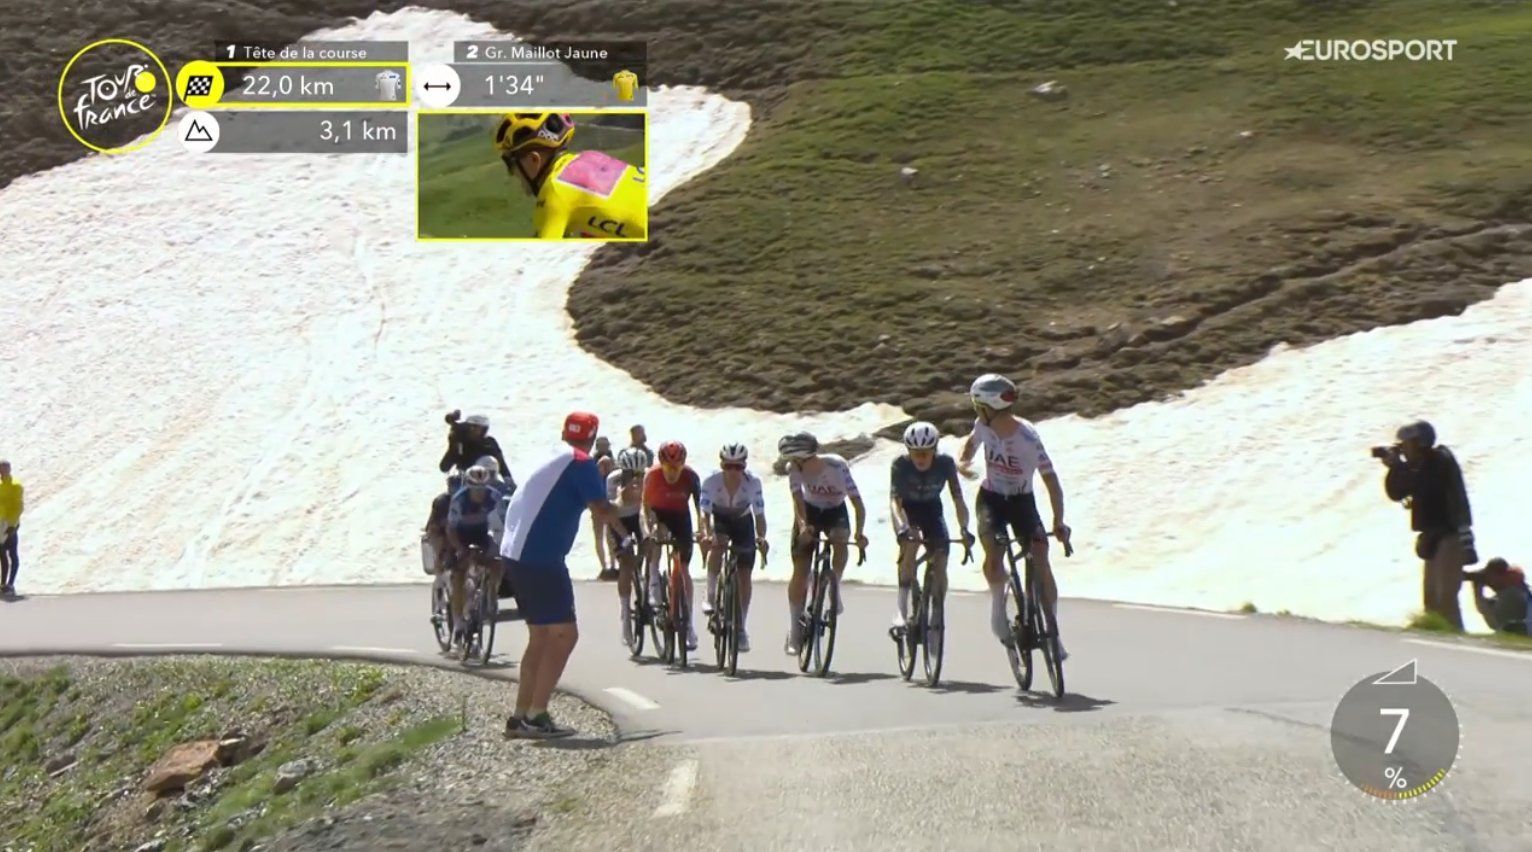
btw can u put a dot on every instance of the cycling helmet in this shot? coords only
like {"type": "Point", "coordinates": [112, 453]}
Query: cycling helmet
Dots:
{"type": "Point", "coordinates": [477, 475]}
{"type": "Point", "coordinates": [672, 453]}
{"type": "Point", "coordinates": [735, 453]}
{"type": "Point", "coordinates": [519, 131]}
{"type": "Point", "coordinates": [634, 460]}
{"type": "Point", "coordinates": [921, 435]}
{"type": "Point", "coordinates": [798, 446]}
{"type": "Point", "coordinates": [993, 391]}
{"type": "Point", "coordinates": [490, 464]}
{"type": "Point", "coordinates": [477, 420]}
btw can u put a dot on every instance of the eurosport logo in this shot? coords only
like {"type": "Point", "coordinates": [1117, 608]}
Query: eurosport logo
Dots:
{"type": "Point", "coordinates": [1372, 50]}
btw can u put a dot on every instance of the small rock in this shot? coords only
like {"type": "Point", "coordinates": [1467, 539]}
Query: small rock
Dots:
{"type": "Point", "coordinates": [525, 819]}
{"type": "Point", "coordinates": [907, 175]}
{"type": "Point", "coordinates": [1246, 134]}
{"type": "Point", "coordinates": [1052, 90]}
{"type": "Point", "coordinates": [290, 773]}
{"type": "Point", "coordinates": [478, 839]}
{"type": "Point", "coordinates": [154, 810]}
{"type": "Point", "coordinates": [62, 761]}
{"type": "Point", "coordinates": [181, 765]}
{"type": "Point", "coordinates": [927, 271]}
{"type": "Point", "coordinates": [151, 846]}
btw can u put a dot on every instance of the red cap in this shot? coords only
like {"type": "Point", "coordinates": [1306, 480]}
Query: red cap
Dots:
{"type": "Point", "coordinates": [580, 426]}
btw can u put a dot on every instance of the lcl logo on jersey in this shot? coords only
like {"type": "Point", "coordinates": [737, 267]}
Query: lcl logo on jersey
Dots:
{"type": "Point", "coordinates": [609, 226]}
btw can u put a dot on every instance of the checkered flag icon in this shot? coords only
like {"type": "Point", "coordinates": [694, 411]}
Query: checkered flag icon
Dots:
{"type": "Point", "coordinates": [199, 85]}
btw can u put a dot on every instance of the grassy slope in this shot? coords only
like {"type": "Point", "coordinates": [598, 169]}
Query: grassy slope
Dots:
{"type": "Point", "coordinates": [117, 729]}
{"type": "Point", "coordinates": [1015, 227]}
{"type": "Point", "coordinates": [1389, 179]}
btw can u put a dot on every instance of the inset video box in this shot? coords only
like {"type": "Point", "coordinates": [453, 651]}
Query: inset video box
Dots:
{"type": "Point", "coordinates": [573, 74]}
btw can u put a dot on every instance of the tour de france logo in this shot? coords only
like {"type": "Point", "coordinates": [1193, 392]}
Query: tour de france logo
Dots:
{"type": "Point", "coordinates": [115, 96]}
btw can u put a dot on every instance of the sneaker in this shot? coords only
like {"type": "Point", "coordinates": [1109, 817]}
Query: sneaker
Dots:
{"type": "Point", "coordinates": [540, 727]}
{"type": "Point", "coordinates": [744, 642]}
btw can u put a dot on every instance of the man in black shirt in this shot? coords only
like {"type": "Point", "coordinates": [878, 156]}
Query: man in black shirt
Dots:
{"type": "Point", "coordinates": [1426, 478]}
{"type": "Point", "coordinates": [468, 441]}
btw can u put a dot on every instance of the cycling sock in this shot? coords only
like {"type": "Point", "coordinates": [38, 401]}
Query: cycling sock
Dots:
{"type": "Point", "coordinates": [997, 602]}
{"type": "Point", "coordinates": [712, 587]}
{"type": "Point", "coordinates": [627, 609]}
{"type": "Point", "coordinates": [904, 598]}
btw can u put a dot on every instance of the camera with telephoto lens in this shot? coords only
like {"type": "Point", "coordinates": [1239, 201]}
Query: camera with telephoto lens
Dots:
{"type": "Point", "coordinates": [1383, 452]}
{"type": "Point", "coordinates": [453, 417]}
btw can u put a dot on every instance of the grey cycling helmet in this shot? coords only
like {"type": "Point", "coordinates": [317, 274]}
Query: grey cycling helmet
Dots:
{"type": "Point", "coordinates": [798, 446]}
{"type": "Point", "coordinates": [490, 464]}
{"type": "Point", "coordinates": [993, 391]}
{"type": "Point", "coordinates": [633, 459]}
{"type": "Point", "coordinates": [477, 420]}
{"type": "Point", "coordinates": [921, 435]}
{"type": "Point", "coordinates": [477, 475]}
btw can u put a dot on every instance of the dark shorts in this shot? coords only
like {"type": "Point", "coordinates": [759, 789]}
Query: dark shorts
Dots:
{"type": "Point", "coordinates": [466, 536]}
{"type": "Point", "coordinates": [629, 523]}
{"type": "Point", "coordinates": [928, 518]}
{"type": "Point", "coordinates": [738, 530]}
{"type": "Point", "coordinates": [544, 593]}
{"type": "Point", "coordinates": [1016, 511]}
{"type": "Point", "coordinates": [680, 526]}
{"type": "Point", "coordinates": [821, 520]}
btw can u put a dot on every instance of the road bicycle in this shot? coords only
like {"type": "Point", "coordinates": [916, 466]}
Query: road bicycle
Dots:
{"type": "Point", "coordinates": [481, 606]}
{"type": "Point", "coordinates": [1032, 628]}
{"type": "Point", "coordinates": [727, 619]}
{"type": "Point", "coordinates": [816, 628]}
{"type": "Point", "coordinates": [671, 608]}
{"type": "Point", "coordinates": [925, 623]}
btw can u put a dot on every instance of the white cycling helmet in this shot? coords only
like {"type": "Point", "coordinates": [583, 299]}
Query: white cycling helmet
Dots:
{"type": "Point", "coordinates": [633, 459]}
{"type": "Point", "coordinates": [477, 420]}
{"type": "Point", "coordinates": [733, 453]}
{"type": "Point", "coordinates": [476, 475]}
{"type": "Point", "coordinates": [921, 435]}
{"type": "Point", "coordinates": [798, 446]}
{"type": "Point", "coordinates": [993, 391]}
{"type": "Point", "coordinates": [489, 463]}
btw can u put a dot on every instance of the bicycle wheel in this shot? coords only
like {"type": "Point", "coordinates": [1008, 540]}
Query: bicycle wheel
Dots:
{"type": "Point", "coordinates": [808, 625]}
{"type": "Point", "coordinates": [638, 615]}
{"type": "Point", "coordinates": [1017, 617]}
{"type": "Point", "coordinates": [717, 623]}
{"type": "Point", "coordinates": [1046, 631]}
{"type": "Point", "coordinates": [824, 648]}
{"type": "Point", "coordinates": [907, 639]}
{"type": "Point", "coordinates": [731, 626]}
{"type": "Point", "coordinates": [441, 613]}
{"type": "Point", "coordinates": [489, 608]}
{"type": "Point", "coordinates": [933, 631]}
{"type": "Point", "coordinates": [659, 614]}
{"type": "Point", "coordinates": [470, 617]}
{"type": "Point", "coordinates": [681, 610]}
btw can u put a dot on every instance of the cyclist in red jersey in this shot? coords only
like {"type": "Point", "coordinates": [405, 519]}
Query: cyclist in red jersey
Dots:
{"type": "Point", "coordinates": [668, 489]}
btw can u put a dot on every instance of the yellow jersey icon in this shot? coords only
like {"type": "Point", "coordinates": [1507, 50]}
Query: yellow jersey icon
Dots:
{"type": "Point", "coordinates": [626, 83]}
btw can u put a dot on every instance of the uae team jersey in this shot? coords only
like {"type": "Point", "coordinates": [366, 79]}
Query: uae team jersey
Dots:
{"type": "Point", "coordinates": [670, 496]}
{"type": "Point", "coordinates": [1010, 462]}
{"type": "Point", "coordinates": [829, 488]}
{"type": "Point", "coordinates": [750, 497]}
{"type": "Point", "coordinates": [592, 195]}
{"type": "Point", "coordinates": [544, 515]}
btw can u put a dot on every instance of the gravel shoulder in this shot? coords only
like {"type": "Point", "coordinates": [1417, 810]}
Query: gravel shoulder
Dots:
{"type": "Point", "coordinates": [384, 757]}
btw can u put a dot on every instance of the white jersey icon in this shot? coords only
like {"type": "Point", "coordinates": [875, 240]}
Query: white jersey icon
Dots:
{"type": "Point", "coordinates": [388, 84]}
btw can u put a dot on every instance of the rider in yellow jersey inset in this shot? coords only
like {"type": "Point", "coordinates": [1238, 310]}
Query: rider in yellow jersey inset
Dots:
{"type": "Point", "coordinates": [587, 195]}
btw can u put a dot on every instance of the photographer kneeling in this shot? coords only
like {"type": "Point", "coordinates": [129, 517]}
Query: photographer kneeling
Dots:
{"type": "Point", "coordinates": [1506, 612]}
{"type": "Point", "coordinates": [1427, 479]}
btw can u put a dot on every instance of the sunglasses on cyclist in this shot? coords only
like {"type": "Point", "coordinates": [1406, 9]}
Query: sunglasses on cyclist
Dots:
{"type": "Point", "coordinates": [733, 465]}
{"type": "Point", "coordinates": [922, 454]}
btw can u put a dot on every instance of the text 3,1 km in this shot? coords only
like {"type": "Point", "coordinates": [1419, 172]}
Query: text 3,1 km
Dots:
{"type": "Point", "coordinates": [342, 131]}
{"type": "Point", "coordinates": [278, 86]}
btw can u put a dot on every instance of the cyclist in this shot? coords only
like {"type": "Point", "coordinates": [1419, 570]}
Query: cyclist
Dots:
{"type": "Point", "coordinates": [733, 511]}
{"type": "Point", "coordinates": [916, 481]}
{"type": "Point", "coordinates": [589, 194]}
{"type": "Point", "coordinates": [820, 485]}
{"type": "Point", "coordinates": [469, 517]}
{"type": "Point", "coordinates": [1013, 452]}
{"type": "Point", "coordinates": [671, 491]}
{"type": "Point", "coordinates": [436, 523]}
{"type": "Point", "coordinates": [624, 489]}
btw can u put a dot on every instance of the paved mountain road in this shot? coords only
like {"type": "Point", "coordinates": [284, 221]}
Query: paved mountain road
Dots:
{"type": "Point", "coordinates": [1181, 729]}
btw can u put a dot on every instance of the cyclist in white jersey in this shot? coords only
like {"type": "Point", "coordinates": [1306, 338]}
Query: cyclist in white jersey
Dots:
{"type": "Point", "coordinates": [821, 486]}
{"type": "Point", "coordinates": [733, 511]}
{"type": "Point", "coordinates": [625, 491]}
{"type": "Point", "coordinates": [1013, 452]}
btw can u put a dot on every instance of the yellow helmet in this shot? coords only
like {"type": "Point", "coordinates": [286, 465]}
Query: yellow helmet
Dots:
{"type": "Point", "coordinates": [518, 131]}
